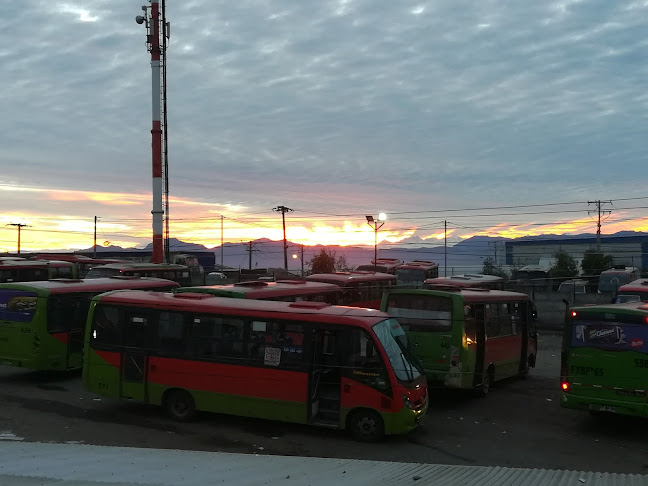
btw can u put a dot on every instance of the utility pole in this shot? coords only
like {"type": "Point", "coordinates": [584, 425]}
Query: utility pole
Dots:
{"type": "Point", "coordinates": [250, 250]}
{"type": "Point", "coordinates": [494, 249]}
{"type": "Point", "coordinates": [18, 225]}
{"type": "Point", "coordinates": [598, 225]}
{"type": "Point", "coordinates": [445, 248]}
{"type": "Point", "coordinates": [222, 266]}
{"type": "Point", "coordinates": [94, 251]}
{"type": "Point", "coordinates": [283, 210]}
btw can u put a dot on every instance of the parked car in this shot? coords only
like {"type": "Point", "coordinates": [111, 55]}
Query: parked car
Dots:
{"type": "Point", "coordinates": [574, 286]}
{"type": "Point", "coordinates": [216, 275]}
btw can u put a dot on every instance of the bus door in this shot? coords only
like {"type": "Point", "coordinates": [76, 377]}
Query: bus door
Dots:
{"type": "Point", "coordinates": [524, 322]}
{"type": "Point", "coordinates": [480, 350]}
{"type": "Point", "coordinates": [77, 306]}
{"type": "Point", "coordinates": [134, 358]}
{"type": "Point", "coordinates": [325, 379]}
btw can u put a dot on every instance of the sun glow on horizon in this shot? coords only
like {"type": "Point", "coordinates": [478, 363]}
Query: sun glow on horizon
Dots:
{"type": "Point", "coordinates": [124, 220]}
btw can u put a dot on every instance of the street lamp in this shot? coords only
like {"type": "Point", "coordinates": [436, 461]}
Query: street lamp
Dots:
{"type": "Point", "coordinates": [295, 257]}
{"type": "Point", "coordinates": [376, 225]}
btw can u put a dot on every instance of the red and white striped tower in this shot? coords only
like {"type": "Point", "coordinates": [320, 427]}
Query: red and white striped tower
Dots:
{"type": "Point", "coordinates": [156, 133]}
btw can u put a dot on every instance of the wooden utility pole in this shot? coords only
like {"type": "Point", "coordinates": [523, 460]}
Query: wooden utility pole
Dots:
{"type": "Point", "coordinates": [598, 225]}
{"type": "Point", "coordinates": [445, 248]}
{"type": "Point", "coordinates": [94, 251]}
{"type": "Point", "coordinates": [283, 210]}
{"type": "Point", "coordinates": [18, 225]}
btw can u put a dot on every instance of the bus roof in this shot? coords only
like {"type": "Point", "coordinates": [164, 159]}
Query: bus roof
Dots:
{"type": "Point", "coordinates": [464, 280]}
{"type": "Point", "coordinates": [143, 266]}
{"type": "Point", "coordinates": [5, 264]}
{"type": "Point", "coordinates": [64, 285]}
{"type": "Point", "coordinates": [469, 294]}
{"type": "Point", "coordinates": [418, 264]}
{"type": "Point", "coordinates": [342, 278]}
{"type": "Point", "coordinates": [256, 289]}
{"type": "Point", "coordinates": [625, 308]}
{"type": "Point", "coordinates": [209, 304]}
{"type": "Point", "coordinates": [619, 270]}
{"type": "Point", "coordinates": [639, 285]}
{"type": "Point", "coordinates": [67, 257]}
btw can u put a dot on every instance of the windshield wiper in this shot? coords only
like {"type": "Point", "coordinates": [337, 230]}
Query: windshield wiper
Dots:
{"type": "Point", "coordinates": [408, 371]}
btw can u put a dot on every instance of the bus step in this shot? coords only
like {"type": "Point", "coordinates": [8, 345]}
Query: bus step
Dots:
{"type": "Point", "coordinates": [325, 422]}
{"type": "Point", "coordinates": [332, 404]}
{"type": "Point", "coordinates": [329, 412]}
{"type": "Point", "coordinates": [330, 393]}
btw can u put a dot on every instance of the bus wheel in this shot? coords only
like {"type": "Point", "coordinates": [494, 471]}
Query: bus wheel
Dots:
{"type": "Point", "coordinates": [366, 425]}
{"type": "Point", "coordinates": [179, 405]}
{"type": "Point", "coordinates": [487, 381]}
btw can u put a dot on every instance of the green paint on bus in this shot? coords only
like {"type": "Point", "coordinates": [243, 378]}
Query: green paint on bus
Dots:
{"type": "Point", "coordinates": [466, 338]}
{"type": "Point", "coordinates": [604, 361]}
{"type": "Point", "coordinates": [42, 323]}
{"type": "Point", "coordinates": [304, 362]}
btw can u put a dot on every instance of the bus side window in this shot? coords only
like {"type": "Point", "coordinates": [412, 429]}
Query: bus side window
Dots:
{"type": "Point", "coordinates": [365, 363]}
{"type": "Point", "coordinates": [106, 330]}
{"type": "Point", "coordinates": [171, 333]}
{"type": "Point", "coordinates": [214, 337]}
{"type": "Point", "coordinates": [505, 321]}
{"type": "Point", "coordinates": [137, 329]}
{"type": "Point", "coordinates": [290, 338]}
{"type": "Point", "coordinates": [260, 334]}
{"type": "Point", "coordinates": [470, 323]}
{"type": "Point", "coordinates": [491, 321]}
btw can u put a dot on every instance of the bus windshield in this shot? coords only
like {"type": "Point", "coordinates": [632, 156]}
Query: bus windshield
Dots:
{"type": "Point", "coordinates": [411, 276]}
{"type": "Point", "coordinates": [430, 311]}
{"type": "Point", "coordinates": [393, 339]}
{"type": "Point", "coordinates": [99, 272]}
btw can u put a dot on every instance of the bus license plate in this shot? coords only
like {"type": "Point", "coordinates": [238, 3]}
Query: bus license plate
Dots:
{"type": "Point", "coordinates": [602, 408]}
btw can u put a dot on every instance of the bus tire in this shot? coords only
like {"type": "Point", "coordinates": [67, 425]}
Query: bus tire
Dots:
{"type": "Point", "coordinates": [366, 425]}
{"type": "Point", "coordinates": [486, 382]}
{"type": "Point", "coordinates": [179, 405]}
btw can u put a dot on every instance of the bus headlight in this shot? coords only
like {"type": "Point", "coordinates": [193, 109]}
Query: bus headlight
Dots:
{"type": "Point", "coordinates": [408, 403]}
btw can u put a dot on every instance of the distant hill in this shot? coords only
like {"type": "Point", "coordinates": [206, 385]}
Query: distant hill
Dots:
{"type": "Point", "coordinates": [465, 256]}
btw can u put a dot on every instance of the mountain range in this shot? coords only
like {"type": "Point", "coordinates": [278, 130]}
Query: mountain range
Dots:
{"type": "Point", "coordinates": [465, 256]}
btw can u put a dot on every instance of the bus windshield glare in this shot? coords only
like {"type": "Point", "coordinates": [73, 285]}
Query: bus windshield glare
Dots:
{"type": "Point", "coordinates": [393, 339]}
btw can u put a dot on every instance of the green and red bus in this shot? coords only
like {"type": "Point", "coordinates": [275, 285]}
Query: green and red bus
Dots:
{"type": "Point", "coordinates": [359, 289]}
{"type": "Point", "coordinates": [467, 338]}
{"type": "Point", "coordinates": [635, 291]}
{"type": "Point", "coordinates": [13, 270]}
{"type": "Point", "coordinates": [604, 359]}
{"type": "Point", "coordinates": [610, 280]}
{"type": "Point", "coordinates": [42, 323]}
{"type": "Point", "coordinates": [478, 280]}
{"type": "Point", "coordinates": [382, 265]}
{"type": "Point", "coordinates": [169, 271]}
{"type": "Point", "coordinates": [301, 362]}
{"type": "Point", "coordinates": [82, 263]}
{"type": "Point", "coordinates": [413, 274]}
{"type": "Point", "coordinates": [281, 290]}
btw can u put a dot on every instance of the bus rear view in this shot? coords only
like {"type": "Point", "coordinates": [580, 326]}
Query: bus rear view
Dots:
{"type": "Point", "coordinates": [605, 359]}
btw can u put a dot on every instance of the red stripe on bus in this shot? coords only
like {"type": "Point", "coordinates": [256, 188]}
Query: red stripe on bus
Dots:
{"type": "Point", "coordinates": [266, 383]}
{"type": "Point", "coordinates": [110, 357]}
{"type": "Point", "coordinates": [64, 337]}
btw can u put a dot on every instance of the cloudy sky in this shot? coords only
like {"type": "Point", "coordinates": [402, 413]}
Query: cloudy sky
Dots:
{"type": "Point", "coordinates": [499, 118]}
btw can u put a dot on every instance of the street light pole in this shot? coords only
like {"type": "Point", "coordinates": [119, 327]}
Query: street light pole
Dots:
{"type": "Point", "coordinates": [376, 225]}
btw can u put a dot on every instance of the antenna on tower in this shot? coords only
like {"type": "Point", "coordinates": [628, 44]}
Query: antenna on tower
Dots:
{"type": "Point", "coordinates": [157, 30]}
